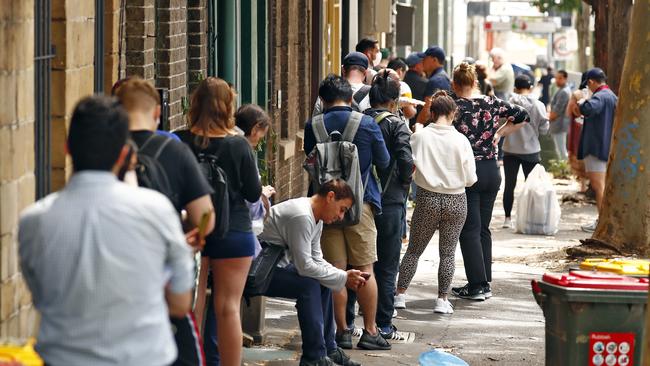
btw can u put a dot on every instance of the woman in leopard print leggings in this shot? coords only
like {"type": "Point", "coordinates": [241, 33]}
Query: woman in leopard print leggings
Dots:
{"type": "Point", "coordinates": [444, 167]}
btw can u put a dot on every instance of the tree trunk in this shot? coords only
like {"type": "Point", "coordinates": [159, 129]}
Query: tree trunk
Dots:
{"type": "Point", "coordinates": [625, 218]}
{"type": "Point", "coordinates": [584, 35]}
{"type": "Point", "coordinates": [600, 33]}
{"type": "Point", "coordinates": [618, 31]}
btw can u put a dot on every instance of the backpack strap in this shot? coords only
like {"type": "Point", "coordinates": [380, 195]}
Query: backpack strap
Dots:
{"type": "Point", "coordinates": [153, 147]}
{"type": "Point", "coordinates": [354, 121]}
{"type": "Point", "coordinates": [381, 116]}
{"type": "Point", "coordinates": [361, 93]}
{"type": "Point", "coordinates": [318, 126]}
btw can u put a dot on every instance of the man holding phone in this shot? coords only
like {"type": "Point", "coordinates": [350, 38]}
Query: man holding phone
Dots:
{"type": "Point", "coordinates": [304, 275]}
{"type": "Point", "coordinates": [188, 188]}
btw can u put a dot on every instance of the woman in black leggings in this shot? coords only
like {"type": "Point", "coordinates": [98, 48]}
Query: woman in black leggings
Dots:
{"type": "Point", "coordinates": [522, 147]}
{"type": "Point", "coordinates": [478, 118]}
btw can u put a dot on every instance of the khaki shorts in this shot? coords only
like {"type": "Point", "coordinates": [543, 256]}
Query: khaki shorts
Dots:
{"type": "Point", "coordinates": [356, 245]}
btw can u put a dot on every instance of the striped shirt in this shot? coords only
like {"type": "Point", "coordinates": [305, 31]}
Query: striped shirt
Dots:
{"type": "Point", "coordinates": [96, 257]}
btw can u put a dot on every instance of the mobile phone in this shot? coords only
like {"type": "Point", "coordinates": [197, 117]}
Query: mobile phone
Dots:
{"type": "Point", "coordinates": [203, 224]}
{"type": "Point", "coordinates": [365, 275]}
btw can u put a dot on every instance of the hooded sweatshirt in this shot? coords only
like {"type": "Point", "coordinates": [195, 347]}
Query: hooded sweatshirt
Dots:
{"type": "Point", "coordinates": [525, 141]}
{"type": "Point", "coordinates": [444, 161]}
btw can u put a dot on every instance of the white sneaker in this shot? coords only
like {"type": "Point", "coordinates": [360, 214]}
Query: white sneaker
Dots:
{"type": "Point", "coordinates": [590, 228]}
{"type": "Point", "coordinates": [443, 307]}
{"type": "Point", "coordinates": [394, 313]}
{"type": "Point", "coordinates": [507, 223]}
{"type": "Point", "coordinates": [400, 301]}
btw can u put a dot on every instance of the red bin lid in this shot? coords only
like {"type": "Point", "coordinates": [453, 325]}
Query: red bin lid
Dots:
{"type": "Point", "coordinates": [596, 281]}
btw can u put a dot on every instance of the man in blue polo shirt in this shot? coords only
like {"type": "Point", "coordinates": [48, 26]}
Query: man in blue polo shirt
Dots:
{"type": "Point", "coordinates": [433, 63]}
{"type": "Point", "coordinates": [354, 245]}
{"type": "Point", "coordinates": [595, 141]}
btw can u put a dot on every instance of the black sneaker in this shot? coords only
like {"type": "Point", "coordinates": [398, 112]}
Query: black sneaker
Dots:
{"type": "Point", "coordinates": [325, 361]}
{"type": "Point", "coordinates": [469, 293]}
{"type": "Point", "coordinates": [344, 340]}
{"type": "Point", "coordinates": [373, 342]}
{"type": "Point", "coordinates": [393, 335]}
{"type": "Point", "coordinates": [340, 358]}
{"type": "Point", "coordinates": [487, 291]}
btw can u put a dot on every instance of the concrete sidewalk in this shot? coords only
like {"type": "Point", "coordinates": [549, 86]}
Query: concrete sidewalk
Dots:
{"type": "Point", "coordinates": [507, 329]}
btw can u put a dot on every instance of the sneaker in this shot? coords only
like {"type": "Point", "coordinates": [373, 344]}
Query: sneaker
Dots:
{"type": "Point", "coordinates": [394, 313]}
{"type": "Point", "coordinates": [356, 332]}
{"type": "Point", "coordinates": [400, 301]}
{"type": "Point", "coordinates": [373, 342]}
{"type": "Point", "coordinates": [344, 339]}
{"type": "Point", "coordinates": [340, 358]}
{"type": "Point", "coordinates": [507, 223]}
{"type": "Point", "coordinates": [590, 228]}
{"type": "Point", "coordinates": [466, 292]}
{"type": "Point", "coordinates": [325, 361]}
{"type": "Point", "coordinates": [392, 334]}
{"type": "Point", "coordinates": [443, 307]}
{"type": "Point", "coordinates": [487, 291]}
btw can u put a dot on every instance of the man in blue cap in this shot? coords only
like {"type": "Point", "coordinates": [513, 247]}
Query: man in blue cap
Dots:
{"type": "Point", "coordinates": [433, 64]}
{"type": "Point", "coordinates": [354, 68]}
{"type": "Point", "coordinates": [598, 112]}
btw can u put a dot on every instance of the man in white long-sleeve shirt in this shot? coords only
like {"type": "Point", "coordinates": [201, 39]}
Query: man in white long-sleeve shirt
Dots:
{"type": "Point", "coordinates": [304, 275]}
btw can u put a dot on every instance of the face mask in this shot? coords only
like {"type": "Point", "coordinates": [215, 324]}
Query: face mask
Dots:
{"type": "Point", "coordinates": [377, 59]}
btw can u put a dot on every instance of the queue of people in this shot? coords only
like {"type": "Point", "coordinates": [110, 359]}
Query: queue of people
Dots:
{"type": "Point", "coordinates": [121, 285]}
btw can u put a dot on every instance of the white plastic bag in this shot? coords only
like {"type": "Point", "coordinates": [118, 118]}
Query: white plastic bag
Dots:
{"type": "Point", "coordinates": [538, 210]}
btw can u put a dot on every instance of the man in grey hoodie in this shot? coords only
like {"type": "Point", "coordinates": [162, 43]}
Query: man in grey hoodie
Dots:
{"type": "Point", "coordinates": [522, 147]}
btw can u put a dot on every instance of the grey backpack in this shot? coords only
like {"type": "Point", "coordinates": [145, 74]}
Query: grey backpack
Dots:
{"type": "Point", "coordinates": [335, 156]}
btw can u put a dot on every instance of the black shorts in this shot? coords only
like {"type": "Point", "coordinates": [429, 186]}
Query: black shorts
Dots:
{"type": "Point", "coordinates": [188, 342]}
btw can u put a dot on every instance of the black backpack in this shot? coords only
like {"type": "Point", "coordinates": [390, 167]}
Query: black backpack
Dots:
{"type": "Point", "coordinates": [209, 164]}
{"type": "Point", "coordinates": [151, 174]}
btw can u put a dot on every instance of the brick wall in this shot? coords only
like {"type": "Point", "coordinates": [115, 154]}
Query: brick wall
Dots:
{"type": "Point", "coordinates": [291, 69]}
{"type": "Point", "coordinates": [73, 30]}
{"type": "Point", "coordinates": [140, 33]}
{"type": "Point", "coordinates": [17, 185]}
{"type": "Point", "coordinates": [171, 55]}
{"type": "Point", "coordinates": [197, 42]}
{"type": "Point", "coordinates": [114, 43]}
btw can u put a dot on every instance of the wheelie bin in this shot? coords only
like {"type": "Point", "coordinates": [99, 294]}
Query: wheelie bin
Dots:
{"type": "Point", "coordinates": [592, 318]}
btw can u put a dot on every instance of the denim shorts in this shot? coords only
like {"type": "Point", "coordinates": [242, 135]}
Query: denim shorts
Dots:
{"type": "Point", "coordinates": [236, 244]}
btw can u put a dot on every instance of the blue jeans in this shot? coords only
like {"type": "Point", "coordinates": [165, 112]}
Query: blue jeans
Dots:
{"type": "Point", "coordinates": [210, 337]}
{"type": "Point", "coordinates": [389, 244]}
{"type": "Point", "coordinates": [315, 310]}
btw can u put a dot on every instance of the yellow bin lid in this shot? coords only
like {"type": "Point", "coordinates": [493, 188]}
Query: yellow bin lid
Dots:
{"type": "Point", "coordinates": [24, 354]}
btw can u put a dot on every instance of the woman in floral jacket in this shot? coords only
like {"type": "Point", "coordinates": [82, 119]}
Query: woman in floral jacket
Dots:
{"type": "Point", "coordinates": [479, 118]}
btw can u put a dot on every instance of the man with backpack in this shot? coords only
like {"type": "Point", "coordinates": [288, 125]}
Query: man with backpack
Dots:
{"type": "Point", "coordinates": [354, 68]}
{"type": "Point", "coordinates": [354, 242]}
{"type": "Point", "coordinates": [168, 166]}
{"type": "Point", "coordinates": [395, 182]}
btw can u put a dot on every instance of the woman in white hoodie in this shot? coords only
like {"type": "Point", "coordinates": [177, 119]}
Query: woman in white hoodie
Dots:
{"type": "Point", "coordinates": [444, 167]}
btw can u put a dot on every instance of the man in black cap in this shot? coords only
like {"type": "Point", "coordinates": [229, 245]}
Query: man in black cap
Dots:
{"type": "Point", "coordinates": [433, 64]}
{"type": "Point", "coordinates": [355, 65]}
{"type": "Point", "coordinates": [598, 112]}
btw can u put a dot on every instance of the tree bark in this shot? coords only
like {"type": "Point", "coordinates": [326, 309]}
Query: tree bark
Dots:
{"type": "Point", "coordinates": [600, 8]}
{"type": "Point", "coordinates": [625, 218]}
{"type": "Point", "coordinates": [618, 31]}
{"type": "Point", "coordinates": [584, 35]}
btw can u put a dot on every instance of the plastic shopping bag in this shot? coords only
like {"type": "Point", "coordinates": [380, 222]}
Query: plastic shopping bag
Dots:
{"type": "Point", "coordinates": [538, 210]}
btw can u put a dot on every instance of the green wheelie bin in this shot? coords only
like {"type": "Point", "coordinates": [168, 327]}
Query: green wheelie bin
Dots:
{"type": "Point", "coordinates": [592, 318]}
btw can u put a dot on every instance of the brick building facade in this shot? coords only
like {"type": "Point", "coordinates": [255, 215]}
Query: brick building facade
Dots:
{"type": "Point", "coordinates": [174, 44]}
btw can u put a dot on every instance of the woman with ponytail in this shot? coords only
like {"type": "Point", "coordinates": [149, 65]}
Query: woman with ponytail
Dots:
{"type": "Point", "coordinates": [395, 181]}
{"type": "Point", "coordinates": [444, 167]}
{"type": "Point", "coordinates": [479, 118]}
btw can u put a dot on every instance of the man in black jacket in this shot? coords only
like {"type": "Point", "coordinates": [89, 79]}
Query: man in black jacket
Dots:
{"type": "Point", "coordinates": [395, 181]}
